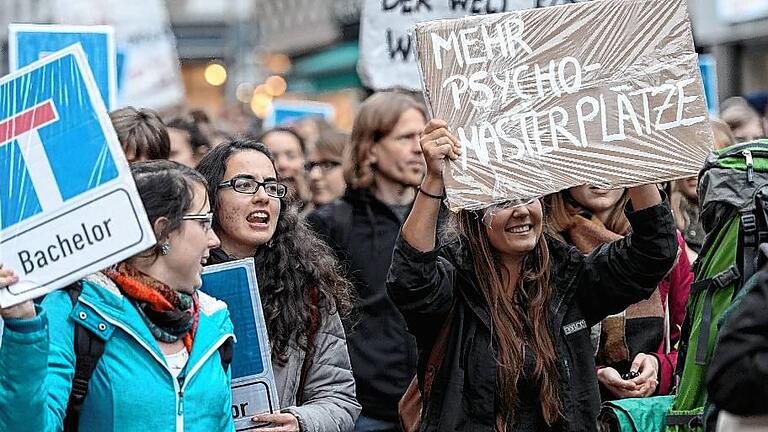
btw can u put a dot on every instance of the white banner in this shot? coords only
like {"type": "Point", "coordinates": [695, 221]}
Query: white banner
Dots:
{"type": "Point", "coordinates": [148, 65]}
{"type": "Point", "coordinates": [387, 53]}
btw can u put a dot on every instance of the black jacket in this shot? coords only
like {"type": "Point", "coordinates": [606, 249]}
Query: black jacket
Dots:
{"type": "Point", "coordinates": [585, 289]}
{"type": "Point", "coordinates": [738, 374]}
{"type": "Point", "coordinates": [362, 232]}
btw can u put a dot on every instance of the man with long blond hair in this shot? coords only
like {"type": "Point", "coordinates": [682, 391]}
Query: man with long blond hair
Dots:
{"type": "Point", "coordinates": [383, 166]}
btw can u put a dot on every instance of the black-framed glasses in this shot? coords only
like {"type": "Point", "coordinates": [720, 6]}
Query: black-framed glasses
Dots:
{"type": "Point", "coordinates": [246, 184]}
{"type": "Point", "coordinates": [206, 219]}
{"type": "Point", "coordinates": [324, 165]}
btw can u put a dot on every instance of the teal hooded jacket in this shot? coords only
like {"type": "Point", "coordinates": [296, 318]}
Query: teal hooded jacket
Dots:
{"type": "Point", "coordinates": [132, 388]}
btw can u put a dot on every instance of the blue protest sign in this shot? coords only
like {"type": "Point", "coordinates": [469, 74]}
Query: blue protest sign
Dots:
{"type": "Point", "coordinates": [28, 43]}
{"type": "Point", "coordinates": [708, 69]}
{"type": "Point", "coordinates": [285, 112]}
{"type": "Point", "coordinates": [68, 204]}
{"type": "Point", "coordinates": [253, 381]}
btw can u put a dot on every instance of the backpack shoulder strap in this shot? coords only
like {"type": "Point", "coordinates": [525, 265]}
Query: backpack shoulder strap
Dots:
{"type": "Point", "coordinates": [226, 352]}
{"type": "Point", "coordinates": [88, 350]}
{"type": "Point", "coordinates": [313, 327]}
{"type": "Point", "coordinates": [749, 246]}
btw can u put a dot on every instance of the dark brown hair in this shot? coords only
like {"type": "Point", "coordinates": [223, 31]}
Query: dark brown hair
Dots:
{"type": "Point", "coordinates": [142, 133]}
{"type": "Point", "coordinates": [519, 316]}
{"type": "Point", "coordinates": [166, 190]}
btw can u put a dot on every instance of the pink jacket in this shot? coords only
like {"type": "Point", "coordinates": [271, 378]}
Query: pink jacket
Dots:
{"type": "Point", "coordinates": [673, 289]}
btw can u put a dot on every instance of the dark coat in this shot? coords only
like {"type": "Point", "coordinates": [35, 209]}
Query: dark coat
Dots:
{"type": "Point", "coordinates": [362, 232]}
{"type": "Point", "coordinates": [585, 289]}
{"type": "Point", "coordinates": [738, 374]}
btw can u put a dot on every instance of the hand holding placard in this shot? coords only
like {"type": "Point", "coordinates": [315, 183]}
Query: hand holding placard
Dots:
{"type": "Point", "coordinates": [24, 310]}
{"type": "Point", "coordinates": [603, 93]}
{"type": "Point", "coordinates": [437, 144]}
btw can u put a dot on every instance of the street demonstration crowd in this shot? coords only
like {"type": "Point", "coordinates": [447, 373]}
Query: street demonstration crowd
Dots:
{"type": "Point", "coordinates": [524, 316]}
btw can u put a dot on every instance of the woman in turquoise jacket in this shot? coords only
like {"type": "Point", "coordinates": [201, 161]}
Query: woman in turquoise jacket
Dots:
{"type": "Point", "coordinates": [161, 368]}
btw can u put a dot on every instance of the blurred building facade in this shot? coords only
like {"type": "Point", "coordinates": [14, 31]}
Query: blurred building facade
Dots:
{"type": "Point", "coordinates": [736, 33]}
{"type": "Point", "coordinates": [312, 45]}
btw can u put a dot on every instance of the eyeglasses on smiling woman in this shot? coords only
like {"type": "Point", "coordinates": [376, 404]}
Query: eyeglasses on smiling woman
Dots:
{"type": "Point", "coordinates": [324, 165]}
{"type": "Point", "coordinates": [206, 219]}
{"type": "Point", "coordinates": [246, 184]}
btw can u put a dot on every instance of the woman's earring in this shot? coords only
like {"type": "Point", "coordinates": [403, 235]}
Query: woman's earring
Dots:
{"type": "Point", "coordinates": [165, 248]}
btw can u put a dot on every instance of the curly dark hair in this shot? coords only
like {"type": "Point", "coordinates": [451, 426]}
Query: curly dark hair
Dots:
{"type": "Point", "coordinates": [290, 264]}
{"type": "Point", "coordinates": [166, 190]}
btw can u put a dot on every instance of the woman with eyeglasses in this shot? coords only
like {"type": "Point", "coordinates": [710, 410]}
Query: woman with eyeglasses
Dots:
{"type": "Point", "coordinates": [161, 368]}
{"type": "Point", "coordinates": [326, 176]}
{"type": "Point", "coordinates": [516, 305]}
{"type": "Point", "coordinates": [302, 293]}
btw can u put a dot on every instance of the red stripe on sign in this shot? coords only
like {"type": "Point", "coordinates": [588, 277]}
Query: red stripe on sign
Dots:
{"type": "Point", "coordinates": [26, 121]}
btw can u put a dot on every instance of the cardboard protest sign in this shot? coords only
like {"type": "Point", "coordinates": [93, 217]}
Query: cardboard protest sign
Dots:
{"type": "Point", "coordinates": [253, 382]}
{"type": "Point", "coordinates": [290, 111]}
{"type": "Point", "coordinates": [387, 52]}
{"type": "Point", "coordinates": [606, 93]}
{"type": "Point", "coordinates": [28, 43]}
{"type": "Point", "coordinates": [68, 204]}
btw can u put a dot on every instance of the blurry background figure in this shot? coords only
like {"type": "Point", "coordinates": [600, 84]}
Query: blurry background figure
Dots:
{"type": "Point", "coordinates": [723, 134]}
{"type": "Point", "coordinates": [287, 147]}
{"type": "Point", "coordinates": [324, 167]}
{"type": "Point", "coordinates": [202, 121]}
{"type": "Point", "coordinates": [742, 118]}
{"type": "Point", "coordinates": [311, 129]}
{"type": "Point", "coordinates": [219, 136]}
{"type": "Point", "coordinates": [188, 142]}
{"type": "Point", "coordinates": [142, 133]}
{"type": "Point", "coordinates": [383, 165]}
{"type": "Point", "coordinates": [684, 198]}
{"type": "Point", "coordinates": [759, 101]}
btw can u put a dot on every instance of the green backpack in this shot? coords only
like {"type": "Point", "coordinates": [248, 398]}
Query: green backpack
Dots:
{"type": "Point", "coordinates": [733, 195]}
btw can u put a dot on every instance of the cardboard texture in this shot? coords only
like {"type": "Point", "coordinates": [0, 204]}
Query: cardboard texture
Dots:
{"type": "Point", "coordinates": [606, 93]}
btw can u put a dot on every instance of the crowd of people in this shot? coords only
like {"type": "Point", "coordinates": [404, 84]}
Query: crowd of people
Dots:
{"type": "Point", "coordinates": [541, 309]}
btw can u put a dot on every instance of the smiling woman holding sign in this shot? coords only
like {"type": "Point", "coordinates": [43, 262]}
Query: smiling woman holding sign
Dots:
{"type": "Point", "coordinates": [155, 345]}
{"type": "Point", "coordinates": [502, 313]}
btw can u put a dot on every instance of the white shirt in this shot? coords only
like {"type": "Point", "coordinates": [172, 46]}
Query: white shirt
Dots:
{"type": "Point", "coordinates": [177, 361]}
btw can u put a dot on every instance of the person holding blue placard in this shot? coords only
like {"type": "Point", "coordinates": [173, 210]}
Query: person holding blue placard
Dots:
{"type": "Point", "coordinates": [161, 367]}
{"type": "Point", "coordinates": [302, 293]}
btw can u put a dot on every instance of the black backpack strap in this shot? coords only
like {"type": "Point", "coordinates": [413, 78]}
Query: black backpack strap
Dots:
{"type": "Point", "coordinates": [749, 236]}
{"type": "Point", "coordinates": [88, 350]}
{"type": "Point", "coordinates": [709, 287]}
{"type": "Point", "coordinates": [689, 420]}
{"type": "Point", "coordinates": [226, 352]}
